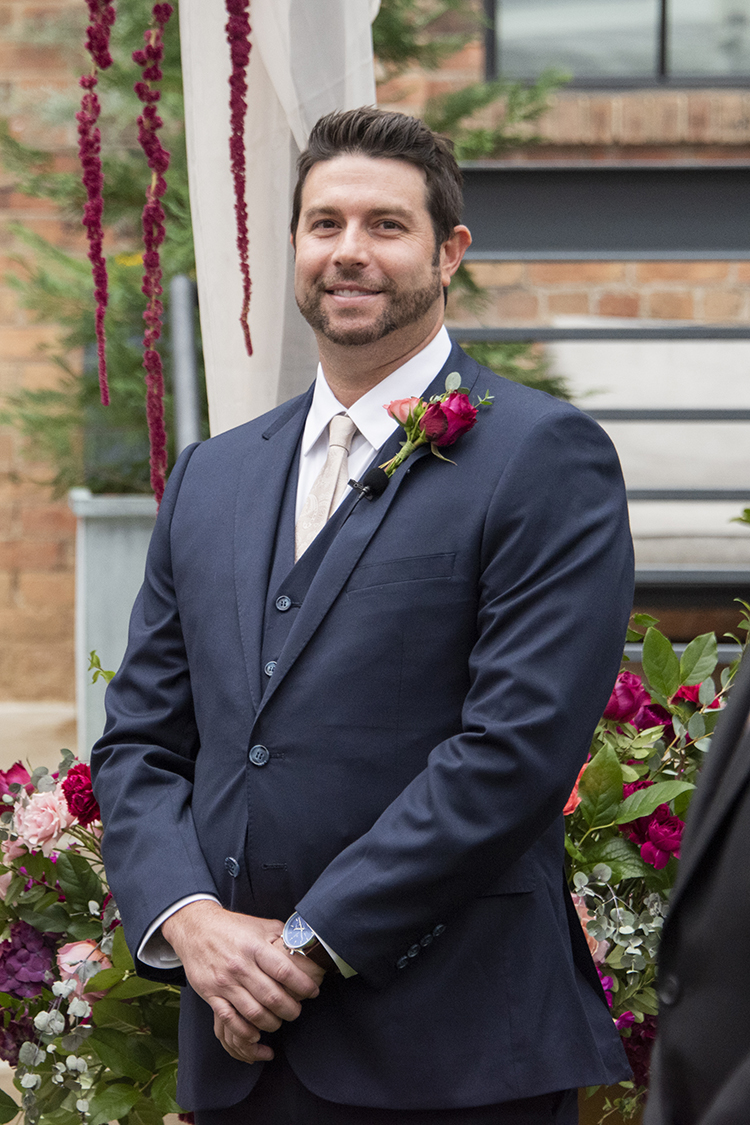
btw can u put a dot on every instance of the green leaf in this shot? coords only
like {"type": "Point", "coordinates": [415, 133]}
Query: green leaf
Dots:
{"type": "Point", "coordinates": [681, 803]}
{"type": "Point", "coordinates": [104, 980]}
{"type": "Point", "coordinates": [83, 929]}
{"type": "Point", "coordinates": [8, 1108]}
{"type": "Point", "coordinates": [145, 1112]}
{"type": "Point", "coordinates": [79, 882]}
{"type": "Point", "coordinates": [134, 986]}
{"type": "Point", "coordinates": [573, 851]}
{"type": "Point", "coordinates": [622, 856]}
{"type": "Point", "coordinates": [122, 1053]}
{"type": "Point", "coordinates": [121, 958]}
{"type": "Point", "coordinates": [600, 788]}
{"type": "Point", "coordinates": [707, 692]}
{"type": "Point", "coordinates": [452, 381]}
{"type": "Point", "coordinates": [644, 801]}
{"type": "Point", "coordinates": [699, 659]}
{"type": "Point", "coordinates": [645, 619]}
{"type": "Point", "coordinates": [660, 663]}
{"type": "Point", "coordinates": [112, 1103]}
{"type": "Point", "coordinates": [55, 920]}
{"type": "Point", "coordinates": [164, 1089]}
{"type": "Point", "coordinates": [647, 1002]}
{"type": "Point", "coordinates": [114, 1013]}
{"type": "Point", "coordinates": [696, 726]}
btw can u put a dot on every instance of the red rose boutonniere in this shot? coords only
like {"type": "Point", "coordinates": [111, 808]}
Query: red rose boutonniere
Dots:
{"type": "Point", "coordinates": [440, 421]}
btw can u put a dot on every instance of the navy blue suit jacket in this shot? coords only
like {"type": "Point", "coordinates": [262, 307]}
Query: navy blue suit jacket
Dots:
{"type": "Point", "coordinates": [430, 709]}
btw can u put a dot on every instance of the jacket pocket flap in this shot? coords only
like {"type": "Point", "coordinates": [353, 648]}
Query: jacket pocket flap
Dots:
{"type": "Point", "coordinates": [415, 568]}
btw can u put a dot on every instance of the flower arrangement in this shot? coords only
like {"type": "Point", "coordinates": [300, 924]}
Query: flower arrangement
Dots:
{"type": "Point", "coordinates": [89, 1041]}
{"type": "Point", "coordinates": [624, 823]}
{"type": "Point", "coordinates": [441, 421]}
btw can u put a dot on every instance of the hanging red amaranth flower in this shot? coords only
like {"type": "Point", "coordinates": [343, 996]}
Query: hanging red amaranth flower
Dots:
{"type": "Point", "coordinates": [102, 16]}
{"type": "Point", "coordinates": [149, 123]}
{"type": "Point", "coordinates": [238, 34]}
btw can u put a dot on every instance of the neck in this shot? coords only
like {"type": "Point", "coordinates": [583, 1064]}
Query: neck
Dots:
{"type": "Point", "coordinates": [352, 371]}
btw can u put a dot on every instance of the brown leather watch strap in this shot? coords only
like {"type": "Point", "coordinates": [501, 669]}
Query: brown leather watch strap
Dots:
{"type": "Point", "coordinates": [320, 956]}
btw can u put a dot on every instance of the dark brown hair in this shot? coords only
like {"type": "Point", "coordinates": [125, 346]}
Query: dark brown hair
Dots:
{"type": "Point", "coordinates": [380, 133]}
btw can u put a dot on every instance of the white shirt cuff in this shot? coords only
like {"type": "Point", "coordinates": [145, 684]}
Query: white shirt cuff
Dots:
{"type": "Point", "coordinates": [341, 965]}
{"type": "Point", "coordinates": [155, 951]}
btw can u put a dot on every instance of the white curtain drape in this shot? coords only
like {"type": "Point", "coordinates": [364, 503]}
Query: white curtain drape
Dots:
{"type": "Point", "coordinates": [308, 57]}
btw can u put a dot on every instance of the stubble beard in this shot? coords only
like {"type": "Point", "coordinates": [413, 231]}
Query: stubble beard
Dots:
{"type": "Point", "coordinates": [402, 309]}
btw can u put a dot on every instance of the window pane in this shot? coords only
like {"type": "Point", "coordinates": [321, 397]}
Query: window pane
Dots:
{"type": "Point", "coordinates": [590, 38]}
{"type": "Point", "coordinates": [709, 37]}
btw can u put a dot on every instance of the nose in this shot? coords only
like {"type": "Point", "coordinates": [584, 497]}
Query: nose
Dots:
{"type": "Point", "coordinates": [351, 247]}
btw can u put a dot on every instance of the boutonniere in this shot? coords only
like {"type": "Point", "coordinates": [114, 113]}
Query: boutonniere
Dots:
{"type": "Point", "coordinates": [440, 421]}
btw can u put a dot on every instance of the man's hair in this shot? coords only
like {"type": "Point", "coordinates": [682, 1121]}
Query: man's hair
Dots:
{"type": "Point", "coordinates": [394, 136]}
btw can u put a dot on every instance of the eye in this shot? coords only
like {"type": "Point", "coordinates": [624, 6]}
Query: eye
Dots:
{"type": "Point", "coordinates": [324, 224]}
{"type": "Point", "coordinates": [390, 224]}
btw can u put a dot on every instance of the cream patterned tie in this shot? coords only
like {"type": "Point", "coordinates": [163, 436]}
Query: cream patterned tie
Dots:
{"type": "Point", "coordinates": [329, 484]}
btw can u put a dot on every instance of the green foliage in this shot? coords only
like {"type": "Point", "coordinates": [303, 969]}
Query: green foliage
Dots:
{"type": "Point", "coordinates": [523, 363]}
{"type": "Point", "coordinates": [401, 33]}
{"type": "Point", "coordinates": [519, 105]}
{"type": "Point", "coordinates": [105, 448]}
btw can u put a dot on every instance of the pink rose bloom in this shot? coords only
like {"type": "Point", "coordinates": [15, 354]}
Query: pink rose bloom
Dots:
{"type": "Point", "coordinates": [444, 422]}
{"type": "Point", "coordinates": [70, 956]}
{"type": "Point", "coordinates": [16, 775]}
{"type": "Point", "coordinates": [44, 819]}
{"type": "Point", "coordinates": [12, 849]}
{"type": "Point", "coordinates": [5, 883]}
{"type": "Point", "coordinates": [598, 949]}
{"type": "Point", "coordinates": [401, 408]}
{"type": "Point", "coordinates": [627, 698]}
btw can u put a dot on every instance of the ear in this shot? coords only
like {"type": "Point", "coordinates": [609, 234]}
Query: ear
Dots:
{"type": "Point", "coordinates": [452, 251]}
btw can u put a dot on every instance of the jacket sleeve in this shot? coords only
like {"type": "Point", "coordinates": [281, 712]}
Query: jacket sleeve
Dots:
{"type": "Point", "coordinates": [555, 594]}
{"type": "Point", "coordinates": [143, 765]}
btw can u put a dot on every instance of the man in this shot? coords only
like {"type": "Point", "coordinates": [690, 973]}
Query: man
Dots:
{"type": "Point", "coordinates": [701, 1067]}
{"type": "Point", "coordinates": [377, 739]}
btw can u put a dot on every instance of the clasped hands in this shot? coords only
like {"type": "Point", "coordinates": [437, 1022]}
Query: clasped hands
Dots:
{"type": "Point", "coordinates": [240, 966]}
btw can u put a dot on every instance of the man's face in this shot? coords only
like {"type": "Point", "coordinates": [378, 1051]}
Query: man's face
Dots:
{"type": "Point", "coordinates": [366, 262]}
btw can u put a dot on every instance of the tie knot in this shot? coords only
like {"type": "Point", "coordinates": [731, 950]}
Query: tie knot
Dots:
{"type": "Point", "coordinates": [341, 431]}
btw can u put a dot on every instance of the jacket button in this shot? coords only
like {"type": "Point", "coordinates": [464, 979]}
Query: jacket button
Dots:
{"type": "Point", "coordinates": [669, 990]}
{"type": "Point", "coordinates": [402, 962]}
{"type": "Point", "coordinates": [259, 755]}
{"type": "Point", "coordinates": [439, 929]}
{"type": "Point", "coordinates": [283, 603]}
{"type": "Point", "coordinates": [270, 668]}
{"type": "Point", "coordinates": [232, 866]}
{"type": "Point", "coordinates": [414, 950]}
{"type": "Point", "coordinates": [426, 940]}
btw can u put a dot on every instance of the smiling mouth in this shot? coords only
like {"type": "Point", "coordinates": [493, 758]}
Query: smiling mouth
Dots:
{"type": "Point", "coordinates": [345, 291]}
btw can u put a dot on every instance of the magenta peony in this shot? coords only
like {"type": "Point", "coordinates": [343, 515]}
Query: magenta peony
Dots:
{"type": "Point", "coordinates": [80, 796]}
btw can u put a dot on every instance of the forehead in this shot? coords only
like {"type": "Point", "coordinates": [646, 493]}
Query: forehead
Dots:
{"type": "Point", "coordinates": [353, 179]}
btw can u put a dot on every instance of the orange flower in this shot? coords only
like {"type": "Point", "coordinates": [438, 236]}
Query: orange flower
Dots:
{"type": "Point", "coordinates": [574, 800]}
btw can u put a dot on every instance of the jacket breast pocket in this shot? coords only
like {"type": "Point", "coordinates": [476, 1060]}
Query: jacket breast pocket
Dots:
{"type": "Point", "coordinates": [414, 568]}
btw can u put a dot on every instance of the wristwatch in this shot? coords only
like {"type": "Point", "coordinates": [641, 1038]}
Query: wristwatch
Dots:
{"type": "Point", "coordinates": [298, 937]}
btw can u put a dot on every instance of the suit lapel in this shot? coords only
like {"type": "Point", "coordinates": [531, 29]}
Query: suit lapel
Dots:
{"type": "Point", "coordinates": [362, 520]}
{"type": "Point", "coordinates": [260, 493]}
{"type": "Point", "coordinates": [725, 774]}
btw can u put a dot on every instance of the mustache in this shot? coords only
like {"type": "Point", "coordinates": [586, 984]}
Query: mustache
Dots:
{"type": "Point", "coordinates": [356, 277]}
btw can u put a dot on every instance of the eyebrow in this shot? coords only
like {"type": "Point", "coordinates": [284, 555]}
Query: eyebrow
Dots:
{"type": "Point", "coordinates": [376, 212]}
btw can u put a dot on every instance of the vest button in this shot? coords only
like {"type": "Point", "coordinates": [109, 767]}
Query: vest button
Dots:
{"type": "Point", "coordinates": [232, 866]}
{"type": "Point", "coordinates": [283, 603]}
{"type": "Point", "coordinates": [259, 755]}
{"type": "Point", "coordinates": [270, 668]}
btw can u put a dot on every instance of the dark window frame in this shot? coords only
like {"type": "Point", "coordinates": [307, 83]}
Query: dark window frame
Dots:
{"type": "Point", "coordinates": [661, 78]}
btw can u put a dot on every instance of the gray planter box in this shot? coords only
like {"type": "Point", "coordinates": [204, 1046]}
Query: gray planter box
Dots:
{"type": "Point", "coordinates": [111, 544]}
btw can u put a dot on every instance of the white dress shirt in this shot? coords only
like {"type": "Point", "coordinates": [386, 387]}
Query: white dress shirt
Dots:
{"type": "Point", "coordinates": [374, 426]}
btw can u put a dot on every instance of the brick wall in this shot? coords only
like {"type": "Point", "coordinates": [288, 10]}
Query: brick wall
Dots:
{"type": "Point", "coordinates": [37, 532]}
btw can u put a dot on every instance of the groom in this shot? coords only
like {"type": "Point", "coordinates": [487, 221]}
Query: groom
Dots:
{"type": "Point", "coordinates": [367, 725]}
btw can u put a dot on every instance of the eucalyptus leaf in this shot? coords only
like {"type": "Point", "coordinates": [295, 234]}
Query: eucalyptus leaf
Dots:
{"type": "Point", "coordinates": [707, 692]}
{"type": "Point", "coordinates": [644, 801]}
{"type": "Point", "coordinates": [696, 726]}
{"type": "Point", "coordinates": [452, 381]}
{"type": "Point", "coordinates": [699, 659]}
{"type": "Point", "coordinates": [600, 788]}
{"type": "Point", "coordinates": [704, 745]}
{"type": "Point", "coordinates": [660, 663]}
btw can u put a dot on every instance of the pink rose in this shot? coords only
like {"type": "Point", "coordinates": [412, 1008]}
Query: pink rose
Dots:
{"type": "Point", "coordinates": [401, 408]}
{"type": "Point", "coordinates": [5, 883]}
{"type": "Point", "coordinates": [627, 698]}
{"type": "Point", "coordinates": [444, 422]}
{"type": "Point", "coordinates": [16, 775]}
{"type": "Point", "coordinates": [41, 823]}
{"type": "Point", "coordinates": [12, 849]}
{"type": "Point", "coordinates": [597, 949]}
{"type": "Point", "coordinates": [70, 956]}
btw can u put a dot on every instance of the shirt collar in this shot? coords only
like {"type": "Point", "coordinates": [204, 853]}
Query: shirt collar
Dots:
{"type": "Point", "coordinates": [367, 413]}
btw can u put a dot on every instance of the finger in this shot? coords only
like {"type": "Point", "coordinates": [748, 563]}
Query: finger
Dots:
{"type": "Point", "coordinates": [280, 965]}
{"type": "Point", "coordinates": [238, 1037]}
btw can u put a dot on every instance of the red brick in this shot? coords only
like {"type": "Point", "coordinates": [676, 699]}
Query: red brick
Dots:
{"type": "Point", "coordinates": [516, 304]}
{"type": "Point", "coordinates": [682, 271]}
{"type": "Point", "coordinates": [37, 671]}
{"type": "Point", "coordinates": [562, 273]}
{"type": "Point", "coordinates": [743, 271]}
{"type": "Point", "coordinates": [48, 624]}
{"type": "Point", "coordinates": [50, 588]}
{"type": "Point", "coordinates": [571, 303]}
{"type": "Point", "coordinates": [671, 305]}
{"type": "Point", "coordinates": [6, 587]}
{"type": "Point", "coordinates": [723, 304]}
{"type": "Point", "coordinates": [19, 554]}
{"type": "Point", "coordinates": [495, 274]}
{"type": "Point", "coordinates": [46, 520]}
{"type": "Point", "coordinates": [618, 304]}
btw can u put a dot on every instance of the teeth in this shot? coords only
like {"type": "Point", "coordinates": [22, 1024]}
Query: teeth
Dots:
{"type": "Point", "coordinates": [351, 292]}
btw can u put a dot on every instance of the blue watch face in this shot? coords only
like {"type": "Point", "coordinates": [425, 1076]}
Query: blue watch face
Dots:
{"type": "Point", "coordinates": [297, 933]}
